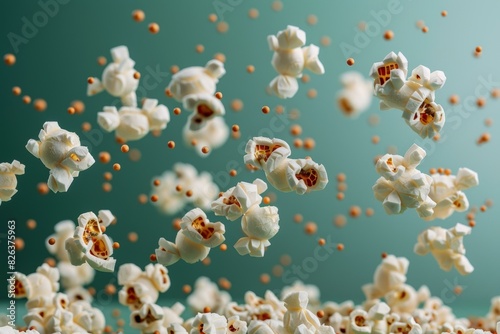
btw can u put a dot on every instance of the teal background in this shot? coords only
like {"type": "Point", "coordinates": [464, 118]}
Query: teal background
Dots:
{"type": "Point", "coordinates": [55, 64]}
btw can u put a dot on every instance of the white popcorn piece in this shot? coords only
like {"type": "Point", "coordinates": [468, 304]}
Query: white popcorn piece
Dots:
{"type": "Point", "coordinates": [297, 313]}
{"type": "Point", "coordinates": [171, 315]}
{"type": "Point", "coordinates": [410, 327]}
{"type": "Point", "coordinates": [131, 123]}
{"type": "Point", "coordinates": [8, 179]}
{"type": "Point", "coordinates": [207, 294]}
{"type": "Point", "coordinates": [196, 80]}
{"type": "Point", "coordinates": [213, 134]}
{"type": "Point", "coordinates": [236, 326]}
{"type": "Point", "coordinates": [176, 329]}
{"type": "Point", "coordinates": [358, 322]}
{"type": "Point", "coordinates": [266, 327]}
{"type": "Point", "coordinates": [290, 59]}
{"type": "Point", "coordinates": [403, 299]}
{"type": "Point", "coordinates": [299, 175]}
{"type": "Point", "coordinates": [446, 246]}
{"type": "Point", "coordinates": [446, 191]}
{"type": "Point", "coordinates": [75, 276]}
{"type": "Point", "coordinates": [118, 78]}
{"type": "Point", "coordinates": [237, 200]}
{"type": "Point", "coordinates": [89, 244]}
{"type": "Point", "coordinates": [91, 319]}
{"type": "Point", "coordinates": [43, 284]}
{"type": "Point", "coordinates": [259, 224]}
{"type": "Point", "coordinates": [149, 319]}
{"type": "Point", "coordinates": [205, 106]}
{"type": "Point", "coordinates": [170, 201]}
{"type": "Point", "coordinates": [313, 292]}
{"type": "Point", "coordinates": [413, 96]}
{"type": "Point", "coordinates": [61, 152]}
{"type": "Point", "coordinates": [356, 94]}
{"type": "Point", "coordinates": [401, 185]}
{"type": "Point", "coordinates": [10, 330]}
{"type": "Point", "coordinates": [389, 275]}
{"type": "Point", "coordinates": [209, 323]}
{"type": "Point", "coordinates": [196, 226]}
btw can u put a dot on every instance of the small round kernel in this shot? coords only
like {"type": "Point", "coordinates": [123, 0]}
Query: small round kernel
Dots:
{"type": "Point", "coordinates": [478, 49]}
{"type": "Point", "coordinates": [369, 212]}
{"type": "Point", "coordinates": [483, 208]}
{"type": "Point", "coordinates": [375, 139]}
{"type": "Point", "coordinates": [444, 13]}
{"type": "Point", "coordinates": [177, 111]}
{"type": "Point", "coordinates": [224, 283]}
{"type": "Point", "coordinates": [42, 188]}
{"type": "Point", "coordinates": [440, 170]}
{"type": "Point", "coordinates": [298, 218]}
{"type": "Point", "coordinates": [220, 57]}
{"type": "Point", "coordinates": [132, 237]}
{"type": "Point", "coordinates": [310, 228]}
{"type": "Point", "coordinates": [388, 35]}
{"type": "Point", "coordinates": [178, 187]}
{"type": "Point", "coordinates": [176, 224]}
{"type": "Point", "coordinates": [325, 41]}
{"type": "Point", "coordinates": [108, 176]}
{"type": "Point", "coordinates": [152, 257]}
{"type": "Point", "coordinates": [312, 93]}
{"type": "Point", "coordinates": [16, 90]}
{"type": "Point", "coordinates": [40, 105]}
{"type": "Point", "coordinates": [458, 290]}
{"type": "Point", "coordinates": [321, 241]}
{"type": "Point", "coordinates": [355, 211]}
{"type": "Point", "coordinates": [342, 186]}
{"type": "Point", "coordinates": [277, 270]}
{"type": "Point", "coordinates": [340, 196]}
{"type": "Point", "coordinates": [116, 245]}
{"type": "Point", "coordinates": [125, 148]}
{"type": "Point", "coordinates": [312, 19]}
{"type": "Point", "coordinates": [296, 130]}
{"type": "Point", "coordinates": [305, 78]}
{"type": "Point", "coordinates": [156, 182]}
{"type": "Point", "coordinates": [488, 122]}
{"type": "Point", "coordinates": [383, 255]}
{"type": "Point", "coordinates": [218, 95]}
{"type": "Point", "coordinates": [9, 59]}
{"type": "Point", "coordinates": [341, 177]}
{"type": "Point", "coordinates": [432, 171]}
{"type": "Point", "coordinates": [223, 247]}
{"type": "Point", "coordinates": [266, 200]}
{"type": "Point", "coordinates": [86, 126]}
{"type": "Point", "coordinates": [309, 143]}
{"type": "Point", "coordinates": [340, 247]}
{"type": "Point", "coordinates": [51, 262]}
{"type": "Point", "coordinates": [19, 243]}
{"type": "Point", "coordinates": [205, 149]}
{"type": "Point", "coordinates": [236, 105]}
{"type": "Point", "coordinates": [189, 193]}
{"type": "Point", "coordinates": [117, 167]}
{"type": "Point", "coordinates": [235, 128]}
{"type": "Point", "coordinates": [199, 48]}
{"type": "Point", "coordinates": [171, 144]}
{"type": "Point", "coordinates": [153, 28]}
{"type": "Point", "coordinates": [320, 314]}
{"type": "Point", "coordinates": [137, 75]}
{"type": "Point", "coordinates": [26, 99]}
{"type": "Point", "coordinates": [277, 5]}
{"type": "Point", "coordinates": [350, 61]}
{"type": "Point", "coordinates": [71, 111]}
{"type": "Point", "coordinates": [174, 69]}
{"type": "Point", "coordinates": [154, 198]}
{"type": "Point", "coordinates": [480, 102]}
{"type": "Point", "coordinates": [142, 198]}
{"type": "Point", "coordinates": [103, 228]}
{"type": "Point", "coordinates": [425, 29]}
{"type": "Point", "coordinates": [107, 187]}
{"type": "Point", "coordinates": [52, 241]}
{"type": "Point", "coordinates": [495, 93]}
{"type": "Point", "coordinates": [265, 109]}
{"type": "Point", "coordinates": [454, 99]}
{"type": "Point", "coordinates": [250, 69]}
{"type": "Point", "coordinates": [265, 278]}
{"type": "Point", "coordinates": [90, 80]}
{"type": "Point", "coordinates": [138, 15]}
{"type": "Point", "coordinates": [101, 61]}
{"type": "Point", "coordinates": [253, 13]}
{"type": "Point", "coordinates": [206, 309]}
{"type": "Point", "coordinates": [222, 27]}
{"type": "Point", "coordinates": [206, 261]}
{"type": "Point", "coordinates": [168, 92]}
{"type": "Point", "coordinates": [116, 313]}
{"type": "Point", "coordinates": [79, 106]}
{"type": "Point", "coordinates": [212, 17]}
{"type": "Point", "coordinates": [286, 260]}
{"type": "Point", "coordinates": [472, 223]}
{"type": "Point", "coordinates": [485, 137]}
{"type": "Point", "coordinates": [186, 288]}
{"type": "Point", "coordinates": [298, 143]}
{"type": "Point", "coordinates": [31, 224]}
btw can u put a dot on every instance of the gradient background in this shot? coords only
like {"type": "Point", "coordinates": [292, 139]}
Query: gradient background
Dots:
{"type": "Point", "coordinates": [55, 64]}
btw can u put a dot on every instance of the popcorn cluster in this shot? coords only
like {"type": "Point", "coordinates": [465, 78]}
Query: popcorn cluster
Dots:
{"type": "Point", "coordinates": [290, 59]}
{"type": "Point", "coordinates": [8, 180]}
{"type": "Point", "coordinates": [61, 152]}
{"type": "Point", "coordinates": [258, 223]}
{"type": "Point", "coordinates": [195, 87]}
{"type": "Point", "coordinates": [271, 155]}
{"type": "Point", "coordinates": [184, 185]}
{"type": "Point", "coordinates": [414, 96]}
{"type": "Point", "coordinates": [356, 94]}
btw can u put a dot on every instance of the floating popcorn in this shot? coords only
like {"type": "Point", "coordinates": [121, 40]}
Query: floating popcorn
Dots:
{"type": "Point", "coordinates": [8, 180]}
{"type": "Point", "coordinates": [405, 299]}
{"type": "Point", "coordinates": [401, 185]}
{"type": "Point", "coordinates": [290, 59]}
{"type": "Point", "coordinates": [193, 241]}
{"type": "Point", "coordinates": [413, 96]}
{"type": "Point", "coordinates": [446, 246]}
{"type": "Point", "coordinates": [196, 80]}
{"type": "Point", "coordinates": [313, 293]}
{"type": "Point", "coordinates": [131, 123]}
{"type": "Point", "coordinates": [207, 294]}
{"type": "Point", "coordinates": [299, 175]}
{"type": "Point", "coordinates": [184, 177]}
{"type": "Point", "coordinates": [148, 319]}
{"type": "Point", "coordinates": [205, 107]}
{"type": "Point", "coordinates": [209, 323]}
{"type": "Point", "coordinates": [297, 313]}
{"type": "Point", "coordinates": [446, 191]}
{"type": "Point", "coordinates": [389, 275]}
{"type": "Point", "coordinates": [89, 318]}
{"type": "Point", "coordinates": [61, 152]}
{"type": "Point", "coordinates": [176, 329]}
{"type": "Point", "coordinates": [213, 135]}
{"type": "Point", "coordinates": [171, 315]}
{"type": "Point", "coordinates": [89, 244]}
{"type": "Point", "coordinates": [141, 287]}
{"type": "Point", "coordinates": [356, 94]}
{"type": "Point", "coordinates": [118, 78]}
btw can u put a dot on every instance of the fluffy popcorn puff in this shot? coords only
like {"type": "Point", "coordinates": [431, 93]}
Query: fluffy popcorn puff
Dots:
{"type": "Point", "coordinates": [269, 307]}
{"type": "Point", "coordinates": [389, 275]}
{"type": "Point", "coordinates": [10, 330]}
{"type": "Point", "coordinates": [131, 123]}
{"type": "Point", "coordinates": [446, 191]}
{"type": "Point", "coordinates": [290, 59]}
{"type": "Point", "coordinates": [402, 185]}
{"type": "Point", "coordinates": [297, 313]}
{"type": "Point", "coordinates": [61, 152]}
{"type": "Point", "coordinates": [141, 287]}
{"type": "Point", "coordinates": [446, 246]}
{"type": "Point", "coordinates": [8, 180]}
{"type": "Point", "coordinates": [148, 319]}
{"type": "Point", "coordinates": [356, 94]}
{"type": "Point", "coordinates": [413, 96]}
{"type": "Point", "coordinates": [205, 106]}
{"type": "Point", "coordinates": [170, 201]}
{"type": "Point", "coordinates": [193, 241]}
{"type": "Point", "coordinates": [312, 291]}
{"type": "Point", "coordinates": [209, 323]}
{"type": "Point", "coordinates": [299, 175]}
{"type": "Point", "coordinates": [207, 294]}
{"type": "Point", "coordinates": [89, 244]}
{"type": "Point", "coordinates": [212, 135]}
{"type": "Point", "coordinates": [118, 78]}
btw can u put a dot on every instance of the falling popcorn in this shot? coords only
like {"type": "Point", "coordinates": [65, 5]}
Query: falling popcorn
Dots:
{"type": "Point", "coordinates": [62, 153]}
{"type": "Point", "coordinates": [401, 185]}
{"type": "Point", "coordinates": [390, 274]}
{"type": "Point", "coordinates": [299, 175]}
{"type": "Point", "coordinates": [356, 94]}
{"type": "Point", "coordinates": [131, 123]}
{"type": "Point", "coordinates": [193, 241]}
{"type": "Point", "coordinates": [207, 294]}
{"type": "Point", "coordinates": [89, 244]}
{"type": "Point", "coordinates": [174, 185]}
{"type": "Point", "coordinates": [8, 180]}
{"type": "Point", "coordinates": [213, 135]}
{"type": "Point", "coordinates": [413, 96]}
{"type": "Point", "coordinates": [446, 246]}
{"type": "Point", "coordinates": [118, 78]}
{"type": "Point", "coordinates": [290, 59]}
{"type": "Point", "coordinates": [205, 108]}
{"type": "Point", "coordinates": [148, 319]}
{"type": "Point", "coordinates": [446, 191]}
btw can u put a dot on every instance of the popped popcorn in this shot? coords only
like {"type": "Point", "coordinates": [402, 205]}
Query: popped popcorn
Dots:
{"type": "Point", "coordinates": [290, 59]}
{"type": "Point", "coordinates": [390, 274]}
{"type": "Point", "coordinates": [236, 326]}
{"type": "Point", "coordinates": [206, 107]}
{"type": "Point", "coordinates": [297, 313]}
{"type": "Point", "coordinates": [299, 175]}
{"type": "Point", "coordinates": [207, 294]}
{"type": "Point", "coordinates": [446, 245]}
{"type": "Point", "coordinates": [89, 244]}
{"type": "Point", "coordinates": [213, 135]}
{"type": "Point", "coordinates": [131, 123]}
{"type": "Point", "coordinates": [413, 96]}
{"type": "Point", "coordinates": [10, 330]}
{"type": "Point", "coordinates": [60, 151]}
{"type": "Point", "coordinates": [193, 241]}
{"type": "Point", "coordinates": [149, 319]}
{"type": "Point", "coordinates": [209, 323]}
{"type": "Point", "coordinates": [446, 191]}
{"type": "Point", "coordinates": [186, 177]}
{"type": "Point", "coordinates": [356, 94]}
{"type": "Point", "coordinates": [8, 180]}
{"type": "Point", "coordinates": [312, 292]}
{"type": "Point", "coordinates": [118, 78]}
{"type": "Point", "coordinates": [402, 185]}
